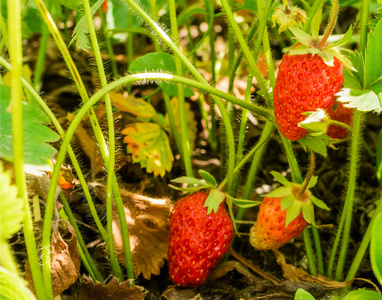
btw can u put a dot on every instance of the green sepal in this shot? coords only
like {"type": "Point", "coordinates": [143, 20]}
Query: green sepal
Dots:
{"type": "Point", "coordinates": [243, 203]}
{"type": "Point", "coordinates": [210, 180]}
{"type": "Point", "coordinates": [301, 36]}
{"type": "Point", "coordinates": [319, 203]}
{"type": "Point", "coordinates": [312, 182]}
{"type": "Point", "coordinates": [287, 201]}
{"type": "Point", "coordinates": [215, 197]}
{"type": "Point", "coordinates": [189, 180]}
{"type": "Point", "coordinates": [187, 190]}
{"type": "Point", "coordinates": [308, 212]}
{"type": "Point", "coordinates": [344, 40]}
{"type": "Point", "coordinates": [279, 192]}
{"type": "Point", "coordinates": [292, 212]}
{"type": "Point", "coordinates": [315, 24]}
{"type": "Point", "coordinates": [316, 144]}
{"type": "Point", "coordinates": [280, 178]}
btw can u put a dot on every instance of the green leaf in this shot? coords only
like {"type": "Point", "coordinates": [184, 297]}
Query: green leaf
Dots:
{"type": "Point", "coordinates": [189, 180]}
{"type": "Point", "coordinates": [363, 100]}
{"type": "Point", "coordinates": [287, 201]}
{"type": "Point", "coordinates": [376, 248]}
{"type": "Point", "coordinates": [81, 30]}
{"type": "Point", "coordinates": [215, 197]}
{"type": "Point", "coordinates": [279, 192]}
{"type": "Point", "coordinates": [35, 134]}
{"type": "Point", "coordinates": [159, 62]}
{"type": "Point", "coordinates": [316, 144]}
{"type": "Point", "coordinates": [378, 160]}
{"type": "Point", "coordinates": [149, 146]}
{"type": "Point", "coordinates": [76, 5]}
{"type": "Point", "coordinates": [308, 212]}
{"type": "Point", "coordinates": [373, 54]}
{"type": "Point", "coordinates": [303, 295]}
{"type": "Point", "coordinates": [12, 210]}
{"type": "Point", "coordinates": [243, 203]}
{"type": "Point", "coordinates": [135, 106]}
{"type": "Point", "coordinates": [363, 295]}
{"type": "Point", "coordinates": [319, 203]}
{"type": "Point", "coordinates": [315, 24]}
{"type": "Point", "coordinates": [353, 79]}
{"type": "Point", "coordinates": [292, 212]}
{"type": "Point", "coordinates": [13, 287]}
{"type": "Point", "coordinates": [280, 178]}
{"type": "Point", "coordinates": [344, 40]}
{"type": "Point", "coordinates": [210, 180]}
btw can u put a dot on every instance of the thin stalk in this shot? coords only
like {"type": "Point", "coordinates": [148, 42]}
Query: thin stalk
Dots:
{"type": "Point", "coordinates": [16, 55]}
{"type": "Point", "coordinates": [332, 22]}
{"type": "Point", "coordinates": [41, 57]}
{"type": "Point", "coordinates": [364, 24]}
{"type": "Point", "coordinates": [317, 244]}
{"type": "Point", "coordinates": [112, 185]}
{"type": "Point", "coordinates": [199, 77]}
{"type": "Point", "coordinates": [246, 50]}
{"type": "Point", "coordinates": [154, 15]}
{"type": "Point", "coordinates": [110, 122]}
{"type": "Point", "coordinates": [182, 105]}
{"type": "Point", "coordinates": [364, 244]}
{"type": "Point", "coordinates": [309, 252]}
{"type": "Point", "coordinates": [67, 215]}
{"type": "Point", "coordinates": [171, 118]}
{"type": "Point", "coordinates": [349, 200]}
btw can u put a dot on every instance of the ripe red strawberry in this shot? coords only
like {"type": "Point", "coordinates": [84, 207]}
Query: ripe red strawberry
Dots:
{"type": "Point", "coordinates": [342, 114]}
{"type": "Point", "coordinates": [269, 232]}
{"type": "Point", "coordinates": [304, 83]}
{"type": "Point", "coordinates": [197, 241]}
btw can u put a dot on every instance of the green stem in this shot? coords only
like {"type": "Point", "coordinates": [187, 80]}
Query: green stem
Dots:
{"type": "Point", "coordinates": [41, 57]}
{"type": "Point", "coordinates": [349, 200]}
{"type": "Point", "coordinates": [246, 50]}
{"type": "Point", "coordinates": [317, 244]}
{"type": "Point", "coordinates": [182, 105]}
{"type": "Point", "coordinates": [364, 24]}
{"type": "Point", "coordinates": [199, 77]}
{"type": "Point", "coordinates": [171, 118]}
{"type": "Point", "coordinates": [15, 55]}
{"type": "Point", "coordinates": [111, 157]}
{"type": "Point", "coordinates": [364, 244]}
{"type": "Point", "coordinates": [67, 215]}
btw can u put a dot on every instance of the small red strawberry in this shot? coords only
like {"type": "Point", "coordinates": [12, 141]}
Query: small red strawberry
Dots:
{"type": "Point", "coordinates": [284, 213]}
{"type": "Point", "coordinates": [270, 232]}
{"type": "Point", "coordinates": [304, 83]}
{"type": "Point", "coordinates": [309, 76]}
{"type": "Point", "coordinates": [344, 115]}
{"type": "Point", "coordinates": [197, 240]}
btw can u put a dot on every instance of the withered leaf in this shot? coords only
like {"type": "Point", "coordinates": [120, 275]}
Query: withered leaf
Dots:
{"type": "Point", "coordinates": [111, 291]}
{"type": "Point", "coordinates": [65, 259]}
{"type": "Point", "coordinates": [228, 266]}
{"type": "Point", "coordinates": [299, 274]}
{"type": "Point", "coordinates": [133, 105]}
{"type": "Point", "coordinates": [176, 293]}
{"type": "Point", "coordinates": [148, 221]}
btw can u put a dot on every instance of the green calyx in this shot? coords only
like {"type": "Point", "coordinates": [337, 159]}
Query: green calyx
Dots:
{"type": "Point", "coordinates": [296, 198]}
{"type": "Point", "coordinates": [313, 44]}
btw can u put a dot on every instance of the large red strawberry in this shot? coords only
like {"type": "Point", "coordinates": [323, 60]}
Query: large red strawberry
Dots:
{"type": "Point", "coordinates": [344, 115]}
{"type": "Point", "coordinates": [270, 232]}
{"type": "Point", "coordinates": [304, 83]}
{"type": "Point", "coordinates": [197, 240]}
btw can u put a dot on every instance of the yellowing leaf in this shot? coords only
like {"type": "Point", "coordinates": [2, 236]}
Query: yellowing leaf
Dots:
{"type": "Point", "coordinates": [149, 146]}
{"type": "Point", "coordinates": [191, 123]}
{"type": "Point", "coordinates": [135, 106]}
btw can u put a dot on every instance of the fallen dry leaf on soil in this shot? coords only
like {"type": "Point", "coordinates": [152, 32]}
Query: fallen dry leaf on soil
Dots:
{"type": "Point", "coordinates": [65, 259]}
{"type": "Point", "coordinates": [111, 291]}
{"type": "Point", "coordinates": [148, 221]}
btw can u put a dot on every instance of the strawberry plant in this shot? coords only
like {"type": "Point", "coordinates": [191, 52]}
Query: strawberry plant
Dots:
{"type": "Point", "coordinates": [110, 107]}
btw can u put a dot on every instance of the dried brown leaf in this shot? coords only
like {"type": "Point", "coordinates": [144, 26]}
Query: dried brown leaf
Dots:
{"type": "Point", "coordinates": [148, 222]}
{"type": "Point", "coordinates": [228, 266]}
{"type": "Point", "coordinates": [111, 291]}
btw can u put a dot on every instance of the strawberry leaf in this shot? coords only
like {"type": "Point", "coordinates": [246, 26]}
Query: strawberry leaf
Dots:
{"type": "Point", "coordinates": [319, 203]}
{"type": "Point", "coordinates": [35, 134]}
{"type": "Point", "coordinates": [287, 201]}
{"type": "Point", "coordinates": [280, 178]}
{"type": "Point", "coordinates": [135, 106]}
{"type": "Point", "coordinates": [316, 144]}
{"type": "Point", "coordinates": [12, 210]}
{"type": "Point", "coordinates": [159, 61]}
{"type": "Point", "coordinates": [363, 100]}
{"type": "Point", "coordinates": [149, 146]}
{"type": "Point", "coordinates": [292, 212]}
{"type": "Point", "coordinates": [373, 54]}
{"type": "Point", "coordinates": [308, 212]}
{"type": "Point", "coordinates": [215, 197]}
{"type": "Point", "coordinates": [279, 192]}
{"type": "Point", "coordinates": [353, 79]}
{"type": "Point", "coordinates": [243, 203]}
{"type": "Point", "coordinates": [210, 180]}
